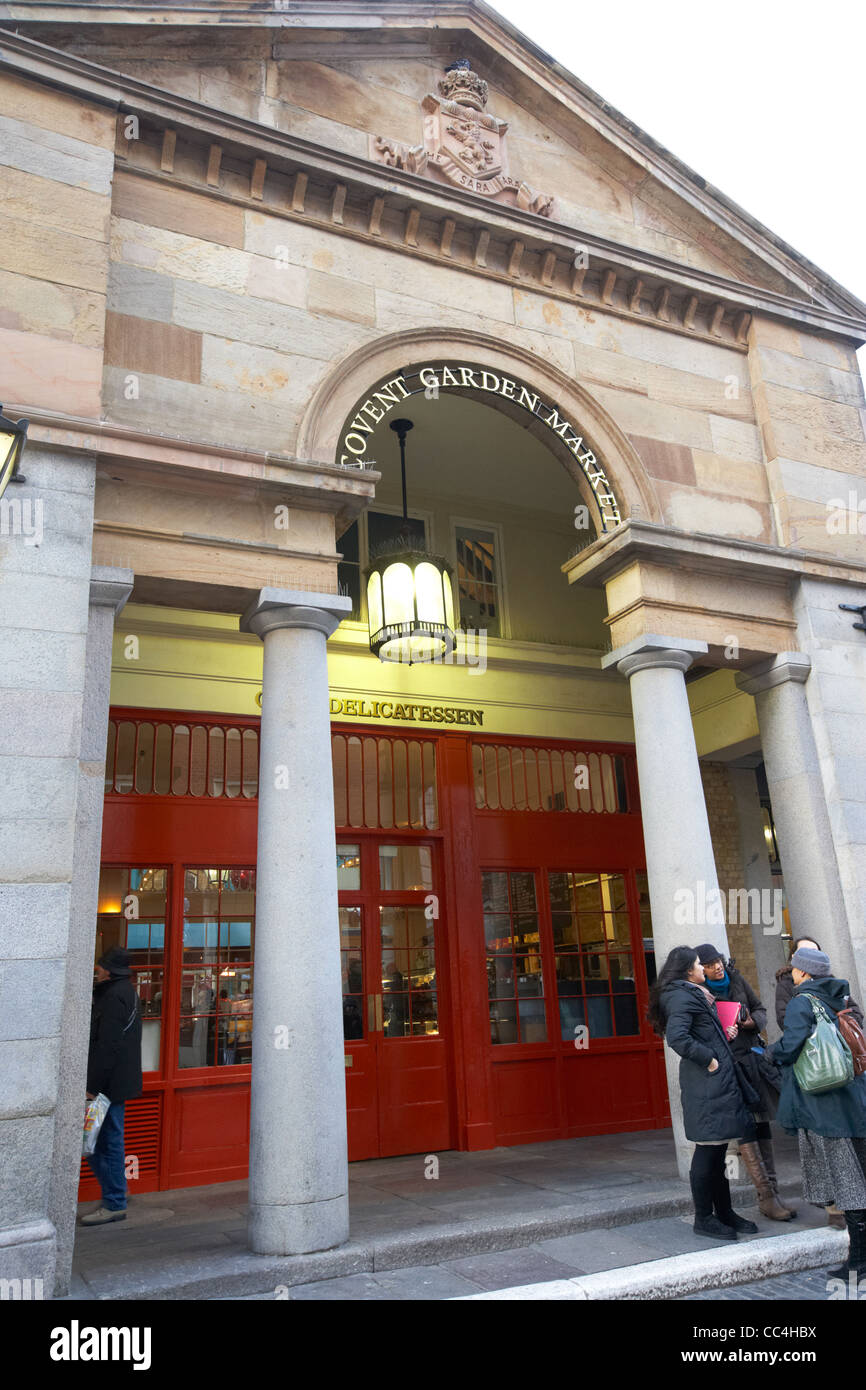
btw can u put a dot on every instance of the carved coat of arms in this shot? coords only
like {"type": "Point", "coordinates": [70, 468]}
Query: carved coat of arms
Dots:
{"type": "Point", "coordinates": [463, 143]}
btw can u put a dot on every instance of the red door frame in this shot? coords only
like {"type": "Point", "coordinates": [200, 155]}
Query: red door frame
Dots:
{"type": "Point", "coordinates": [372, 1050]}
{"type": "Point", "coordinates": [175, 831]}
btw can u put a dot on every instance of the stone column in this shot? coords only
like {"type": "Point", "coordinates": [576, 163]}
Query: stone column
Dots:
{"type": "Point", "coordinates": [109, 591]}
{"type": "Point", "coordinates": [298, 1153]}
{"type": "Point", "coordinates": [767, 925]}
{"type": "Point", "coordinates": [676, 831]}
{"type": "Point", "coordinates": [806, 850]}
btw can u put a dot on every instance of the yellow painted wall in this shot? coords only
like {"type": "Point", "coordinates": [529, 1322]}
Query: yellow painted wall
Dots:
{"type": "Point", "coordinates": [721, 714]}
{"type": "Point", "coordinates": [176, 659]}
{"type": "Point", "coordinates": [181, 660]}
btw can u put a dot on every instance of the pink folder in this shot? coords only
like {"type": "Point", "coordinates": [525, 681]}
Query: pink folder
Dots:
{"type": "Point", "coordinates": [728, 1012]}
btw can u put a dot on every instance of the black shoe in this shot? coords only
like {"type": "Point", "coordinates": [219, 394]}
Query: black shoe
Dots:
{"type": "Point", "coordinates": [711, 1226]}
{"type": "Point", "coordinates": [739, 1223]}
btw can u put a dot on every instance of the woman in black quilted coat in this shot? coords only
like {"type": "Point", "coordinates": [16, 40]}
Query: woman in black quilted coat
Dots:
{"type": "Point", "coordinates": [717, 1102]}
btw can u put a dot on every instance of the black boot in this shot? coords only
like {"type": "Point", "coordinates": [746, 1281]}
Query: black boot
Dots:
{"type": "Point", "coordinates": [725, 1210]}
{"type": "Point", "coordinates": [855, 1220]}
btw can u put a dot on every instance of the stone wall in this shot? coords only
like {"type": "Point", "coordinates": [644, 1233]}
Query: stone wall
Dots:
{"type": "Point", "coordinates": [45, 582]}
{"type": "Point", "coordinates": [809, 403]}
{"type": "Point", "coordinates": [55, 168]}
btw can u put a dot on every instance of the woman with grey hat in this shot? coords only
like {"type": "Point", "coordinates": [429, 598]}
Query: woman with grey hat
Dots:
{"type": "Point", "coordinates": [830, 1125]}
{"type": "Point", "coordinates": [784, 991]}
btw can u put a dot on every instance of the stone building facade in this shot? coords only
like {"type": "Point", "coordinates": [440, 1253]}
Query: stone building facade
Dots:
{"type": "Point", "coordinates": [238, 243]}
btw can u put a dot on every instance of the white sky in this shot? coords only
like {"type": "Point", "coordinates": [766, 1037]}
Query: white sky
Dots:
{"type": "Point", "coordinates": [763, 98]}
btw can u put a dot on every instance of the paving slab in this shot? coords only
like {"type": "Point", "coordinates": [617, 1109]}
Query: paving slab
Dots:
{"type": "Point", "coordinates": [504, 1268]}
{"type": "Point", "coordinates": [736, 1263]}
{"type": "Point", "coordinates": [191, 1243]}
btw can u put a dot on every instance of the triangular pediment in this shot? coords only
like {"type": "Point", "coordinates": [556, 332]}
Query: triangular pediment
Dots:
{"type": "Point", "coordinates": [370, 85]}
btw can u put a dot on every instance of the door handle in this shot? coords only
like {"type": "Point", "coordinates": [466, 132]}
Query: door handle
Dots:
{"type": "Point", "coordinates": [379, 1012]}
{"type": "Point", "coordinates": [371, 1013]}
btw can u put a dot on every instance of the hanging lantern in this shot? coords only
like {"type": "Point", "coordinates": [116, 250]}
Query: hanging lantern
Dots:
{"type": "Point", "coordinates": [12, 436]}
{"type": "Point", "coordinates": [410, 607]}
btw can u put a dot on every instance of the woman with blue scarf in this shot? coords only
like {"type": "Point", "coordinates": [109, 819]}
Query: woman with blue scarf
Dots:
{"type": "Point", "coordinates": [726, 983]}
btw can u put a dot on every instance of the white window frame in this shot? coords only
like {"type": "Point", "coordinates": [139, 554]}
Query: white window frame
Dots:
{"type": "Point", "coordinates": [499, 550]}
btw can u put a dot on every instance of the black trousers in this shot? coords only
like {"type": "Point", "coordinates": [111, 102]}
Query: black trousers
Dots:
{"type": "Point", "coordinates": [708, 1181]}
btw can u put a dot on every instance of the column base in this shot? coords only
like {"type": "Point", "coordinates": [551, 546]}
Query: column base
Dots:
{"type": "Point", "coordinates": [299, 1228]}
{"type": "Point", "coordinates": [28, 1259]}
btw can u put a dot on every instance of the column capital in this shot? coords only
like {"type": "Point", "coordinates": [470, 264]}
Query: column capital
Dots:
{"type": "Point", "coordinates": [110, 587]}
{"type": "Point", "coordinates": [652, 651]}
{"type": "Point", "coordinates": [775, 670]}
{"type": "Point", "coordinates": [276, 608]}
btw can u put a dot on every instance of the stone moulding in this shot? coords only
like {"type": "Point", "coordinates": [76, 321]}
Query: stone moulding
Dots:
{"type": "Point", "coordinates": [377, 204]}
{"type": "Point", "coordinates": [351, 196]}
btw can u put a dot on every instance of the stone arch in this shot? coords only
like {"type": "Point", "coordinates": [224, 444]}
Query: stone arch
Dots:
{"type": "Point", "coordinates": [351, 380]}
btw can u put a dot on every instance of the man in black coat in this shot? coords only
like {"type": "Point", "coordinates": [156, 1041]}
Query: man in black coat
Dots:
{"type": "Point", "coordinates": [113, 1068]}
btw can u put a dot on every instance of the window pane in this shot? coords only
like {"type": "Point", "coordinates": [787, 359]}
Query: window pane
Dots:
{"type": "Point", "coordinates": [395, 1018]}
{"type": "Point", "coordinates": [351, 947]}
{"type": "Point", "coordinates": [144, 758]}
{"type": "Point", "coordinates": [425, 1013]}
{"type": "Point", "coordinates": [625, 1015]}
{"type": "Point", "coordinates": [477, 579]}
{"type": "Point", "coordinates": [406, 867]}
{"type": "Point", "coordinates": [349, 867]}
{"type": "Point", "coordinates": [526, 931]}
{"type": "Point", "coordinates": [599, 1018]}
{"type": "Point", "coordinates": [385, 529]}
{"type": "Point", "coordinates": [564, 929]}
{"type": "Point", "coordinates": [572, 1016]}
{"type": "Point", "coordinates": [503, 1023]}
{"type": "Point", "coordinates": [523, 892]}
{"type": "Point", "coordinates": [497, 931]}
{"type": "Point", "coordinates": [613, 892]}
{"type": "Point", "coordinates": [494, 892]}
{"type": "Point", "coordinates": [408, 972]}
{"type": "Point", "coordinates": [500, 977]}
{"type": "Point", "coordinates": [533, 1027]}
{"type": "Point", "coordinates": [528, 975]}
{"type": "Point", "coordinates": [513, 958]}
{"type": "Point", "coordinates": [216, 1000]}
{"type": "Point", "coordinates": [349, 568]}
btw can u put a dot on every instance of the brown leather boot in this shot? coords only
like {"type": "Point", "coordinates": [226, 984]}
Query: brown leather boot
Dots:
{"type": "Point", "coordinates": [765, 1144]}
{"type": "Point", "coordinates": [768, 1203]}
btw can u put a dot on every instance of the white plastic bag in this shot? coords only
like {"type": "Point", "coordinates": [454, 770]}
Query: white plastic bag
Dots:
{"type": "Point", "coordinates": [95, 1112]}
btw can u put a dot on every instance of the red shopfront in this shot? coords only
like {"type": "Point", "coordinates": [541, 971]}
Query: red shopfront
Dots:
{"type": "Point", "coordinates": [494, 932]}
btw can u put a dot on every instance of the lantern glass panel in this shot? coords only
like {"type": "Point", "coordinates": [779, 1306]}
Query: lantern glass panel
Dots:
{"type": "Point", "coordinates": [374, 602]}
{"type": "Point", "coordinates": [399, 591]}
{"type": "Point", "coordinates": [428, 590]}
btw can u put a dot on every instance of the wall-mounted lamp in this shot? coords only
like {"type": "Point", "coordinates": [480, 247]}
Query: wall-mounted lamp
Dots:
{"type": "Point", "coordinates": [12, 436]}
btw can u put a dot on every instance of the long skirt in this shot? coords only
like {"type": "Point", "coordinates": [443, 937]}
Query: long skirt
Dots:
{"type": "Point", "coordinates": [834, 1170]}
